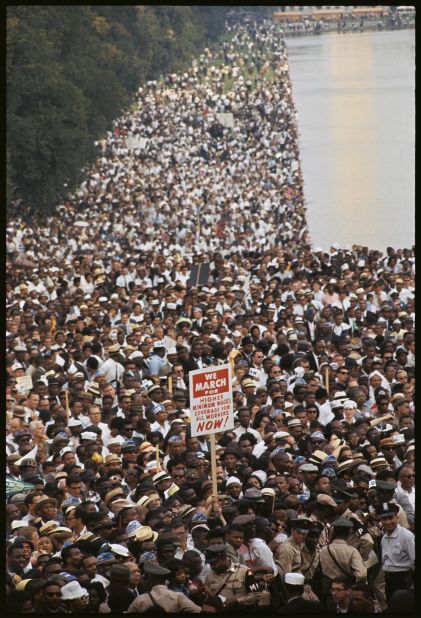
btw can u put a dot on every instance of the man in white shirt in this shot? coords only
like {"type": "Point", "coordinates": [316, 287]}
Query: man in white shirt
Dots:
{"type": "Point", "coordinates": [95, 419]}
{"type": "Point", "coordinates": [111, 369]}
{"type": "Point", "coordinates": [406, 484]}
{"type": "Point", "coordinates": [244, 418]}
{"type": "Point", "coordinates": [398, 551]}
{"type": "Point", "coordinates": [161, 423]}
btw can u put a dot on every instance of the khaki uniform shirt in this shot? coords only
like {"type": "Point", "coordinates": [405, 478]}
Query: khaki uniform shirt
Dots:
{"type": "Point", "coordinates": [288, 557]}
{"type": "Point", "coordinates": [231, 585]}
{"type": "Point", "coordinates": [309, 563]}
{"type": "Point", "coordinates": [347, 557]}
{"type": "Point", "coordinates": [324, 535]}
{"type": "Point", "coordinates": [170, 601]}
{"type": "Point", "coordinates": [363, 541]}
{"type": "Point", "coordinates": [234, 555]}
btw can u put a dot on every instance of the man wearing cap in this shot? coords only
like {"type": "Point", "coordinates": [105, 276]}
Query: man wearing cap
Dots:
{"type": "Point", "coordinates": [111, 369]}
{"type": "Point", "coordinates": [359, 537]}
{"type": "Point", "coordinates": [398, 550]}
{"type": "Point", "coordinates": [161, 423]}
{"type": "Point", "coordinates": [234, 582]}
{"type": "Point", "coordinates": [310, 559]}
{"type": "Point", "coordinates": [384, 492]}
{"type": "Point", "coordinates": [296, 604]}
{"type": "Point", "coordinates": [156, 361]}
{"type": "Point", "coordinates": [45, 509]}
{"type": "Point", "coordinates": [158, 596]}
{"type": "Point", "coordinates": [288, 557]}
{"type": "Point", "coordinates": [339, 558]}
{"type": "Point", "coordinates": [75, 597]}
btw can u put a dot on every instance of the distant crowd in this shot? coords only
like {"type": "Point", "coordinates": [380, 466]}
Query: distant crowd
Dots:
{"type": "Point", "coordinates": [110, 506]}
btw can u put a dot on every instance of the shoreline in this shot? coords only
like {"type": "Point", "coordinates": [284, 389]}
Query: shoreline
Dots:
{"type": "Point", "coordinates": [334, 29]}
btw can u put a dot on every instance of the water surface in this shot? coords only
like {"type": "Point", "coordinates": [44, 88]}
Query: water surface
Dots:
{"type": "Point", "coordinates": [355, 99]}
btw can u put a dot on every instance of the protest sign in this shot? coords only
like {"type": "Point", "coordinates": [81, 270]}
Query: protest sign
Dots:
{"type": "Point", "coordinates": [24, 384]}
{"type": "Point", "coordinates": [211, 400]}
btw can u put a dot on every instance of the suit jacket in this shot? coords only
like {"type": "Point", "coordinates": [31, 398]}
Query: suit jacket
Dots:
{"type": "Point", "coordinates": [190, 364]}
{"type": "Point", "coordinates": [312, 361]}
{"type": "Point", "coordinates": [302, 606]}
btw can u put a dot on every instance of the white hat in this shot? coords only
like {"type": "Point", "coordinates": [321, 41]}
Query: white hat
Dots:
{"type": "Point", "coordinates": [18, 523]}
{"type": "Point", "coordinates": [66, 449]}
{"type": "Point", "coordinates": [120, 550]}
{"type": "Point", "coordinates": [261, 475]}
{"type": "Point", "coordinates": [101, 579]}
{"type": "Point", "coordinates": [136, 354]}
{"type": "Point", "coordinates": [233, 480]}
{"type": "Point", "coordinates": [74, 422]}
{"type": "Point", "coordinates": [88, 435]}
{"type": "Point", "coordinates": [111, 441]}
{"type": "Point", "coordinates": [280, 434]}
{"type": "Point", "coordinates": [73, 590]}
{"type": "Point", "coordinates": [295, 579]}
{"type": "Point", "coordinates": [349, 403]}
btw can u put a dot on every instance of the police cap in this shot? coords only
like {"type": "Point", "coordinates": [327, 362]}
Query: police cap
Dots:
{"type": "Point", "coordinates": [342, 523]}
{"type": "Point", "coordinates": [215, 550]}
{"type": "Point", "coordinates": [152, 568]}
{"type": "Point", "coordinates": [300, 525]}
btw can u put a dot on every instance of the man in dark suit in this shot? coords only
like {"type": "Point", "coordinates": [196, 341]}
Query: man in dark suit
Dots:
{"type": "Point", "coordinates": [294, 590]}
{"type": "Point", "coordinates": [195, 359]}
{"type": "Point", "coordinates": [314, 356]}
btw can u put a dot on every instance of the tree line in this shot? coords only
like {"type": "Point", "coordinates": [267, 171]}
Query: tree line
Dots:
{"type": "Point", "coordinates": [71, 69]}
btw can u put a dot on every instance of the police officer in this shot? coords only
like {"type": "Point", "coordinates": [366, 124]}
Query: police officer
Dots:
{"type": "Point", "coordinates": [385, 494]}
{"type": "Point", "coordinates": [310, 560]}
{"type": "Point", "coordinates": [234, 584]}
{"type": "Point", "coordinates": [339, 558]}
{"type": "Point", "coordinates": [324, 511]}
{"type": "Point", "coordinates": [359, 537]}
{"type": "Point", "coordinates": [288, 554]}
{"type": "Point", "coordinates": [159, 598]}
{"type": "Point", "coordinates": [398, 550]}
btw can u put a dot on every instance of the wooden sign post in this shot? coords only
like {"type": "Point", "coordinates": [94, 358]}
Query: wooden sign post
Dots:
{"type": "Point", "coordinates": [158, 463]}
{"type": "Point", "coordinates": [66, 395]}
{"type": "Point", "coordinates": [213, 464]}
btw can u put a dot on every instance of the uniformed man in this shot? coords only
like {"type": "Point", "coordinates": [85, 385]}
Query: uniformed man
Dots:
{"type": "Point", "coordinates": [398, 550]}
{"type": "Point", "coordinates": [234, 584]}
{"type": "Point", "coordinates": [288, 554]}
{"type": "Point", "coordinates": [384, 494]}
{"type": "Point", "coordinates": [310, 560]}
{"type": "Point", "coordinates": [339, 558]}
{"type": "Point", "coordinates": [324, 511]}
{"type": "Point", "coordinates": [159, 597]}
{"type": "Point", "coordinates": [359, 537]}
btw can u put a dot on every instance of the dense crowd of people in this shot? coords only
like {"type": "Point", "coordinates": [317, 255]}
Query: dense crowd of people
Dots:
{"type": "Point", "coordinates": [110, 506]}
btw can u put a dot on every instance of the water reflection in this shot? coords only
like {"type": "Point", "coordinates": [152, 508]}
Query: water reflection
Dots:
{"type": "Point", "coordinates": [355, 101]}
